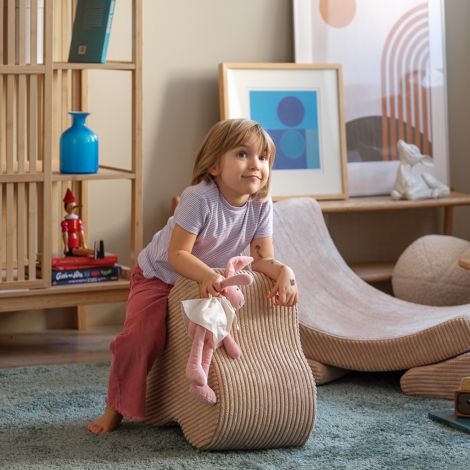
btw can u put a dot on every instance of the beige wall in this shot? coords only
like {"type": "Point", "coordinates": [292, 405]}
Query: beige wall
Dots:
{"type": "Point", "coordinates": [181, 98]}
{"type": "Point", "coordinates": [184, 40]}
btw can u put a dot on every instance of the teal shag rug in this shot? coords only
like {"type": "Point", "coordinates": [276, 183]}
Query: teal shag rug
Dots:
{"type": "Point", "coordinates": [363, 421]}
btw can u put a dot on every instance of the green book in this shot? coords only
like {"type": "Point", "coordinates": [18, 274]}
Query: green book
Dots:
{"type": "Point", "coordinates": [446, 417]}
{"type": "Point", "coordinates": [91, 31]}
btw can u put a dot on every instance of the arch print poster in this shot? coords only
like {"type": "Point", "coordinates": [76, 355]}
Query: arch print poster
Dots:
{"type": "Point", "coordinates": [392, 54]}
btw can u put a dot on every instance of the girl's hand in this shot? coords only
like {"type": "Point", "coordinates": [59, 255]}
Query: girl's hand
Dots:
{"type": "Point", "coordinates": [284, 291]}
{"type": "Point", "coordinates": [211, 285]}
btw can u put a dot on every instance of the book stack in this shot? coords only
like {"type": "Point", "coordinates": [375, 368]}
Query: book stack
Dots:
{"type": "Point", "coordinates": [84, 269]}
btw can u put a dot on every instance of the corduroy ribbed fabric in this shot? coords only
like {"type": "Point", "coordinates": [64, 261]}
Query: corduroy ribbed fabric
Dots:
{"type": "Point", "coordinates": [436, 380]}
{"type": "Point", "coordinates": [265, 399]}
{"type": "Point", "coordinates": [347, 323]}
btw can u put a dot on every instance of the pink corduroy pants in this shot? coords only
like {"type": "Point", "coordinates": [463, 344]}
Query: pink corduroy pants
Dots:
{"type": "Point", "coordinates": [135, 349]}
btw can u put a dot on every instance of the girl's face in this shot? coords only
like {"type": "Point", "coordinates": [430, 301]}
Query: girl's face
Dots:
{"type": "Point", "coordinates": [241, 172]}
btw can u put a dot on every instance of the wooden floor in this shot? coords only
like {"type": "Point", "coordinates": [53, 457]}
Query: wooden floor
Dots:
{"type": "Point", "coordinates": [55, 347]}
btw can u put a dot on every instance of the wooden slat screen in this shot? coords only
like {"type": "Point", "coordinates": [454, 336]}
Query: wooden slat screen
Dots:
{"type": "Point", "coordinates": [21, 146]}
{"type": "Point", "coordinates": [19, 235]}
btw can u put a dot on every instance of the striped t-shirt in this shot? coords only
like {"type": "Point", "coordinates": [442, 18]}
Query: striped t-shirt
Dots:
{"type": "Point", "coordinates": [222, 230]}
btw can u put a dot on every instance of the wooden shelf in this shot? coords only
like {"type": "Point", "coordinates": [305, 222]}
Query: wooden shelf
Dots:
{"type": "Point", "coordinates": [380, 271]}
{"type": "Point", "coordinates": [64, 296]}
{"type": "Point", "coordinates": [36, 69]}
{"type": "Point", "coordinates": [384, 203]}
{"type": "Point", "coordinates": [105, 172]}
{"type": "Point", "coordinates": [110, 65]}
{"type": "Point", "coordinates": [22, 69]}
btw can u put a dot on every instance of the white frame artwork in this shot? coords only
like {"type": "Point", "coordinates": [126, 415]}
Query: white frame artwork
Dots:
{"type": "Point", "coordinates": [378, 42]}
{"type": "Point", "coordinates": [327, 177]}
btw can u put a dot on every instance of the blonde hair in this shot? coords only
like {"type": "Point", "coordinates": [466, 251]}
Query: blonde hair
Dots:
{"type": "Point", "coordinates": [227, 135]}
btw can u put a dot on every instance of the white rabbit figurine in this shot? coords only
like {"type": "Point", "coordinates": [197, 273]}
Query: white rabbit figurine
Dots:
{"type": "Point", "coordinates": [412, 181]}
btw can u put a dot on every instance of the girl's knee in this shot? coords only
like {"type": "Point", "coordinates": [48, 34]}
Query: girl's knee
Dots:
{"type": "Point", "coordinates": [145, 337]}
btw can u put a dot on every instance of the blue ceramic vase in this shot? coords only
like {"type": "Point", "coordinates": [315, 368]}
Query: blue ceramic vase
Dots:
{"type": "Point", "coordinates": [78, 147]}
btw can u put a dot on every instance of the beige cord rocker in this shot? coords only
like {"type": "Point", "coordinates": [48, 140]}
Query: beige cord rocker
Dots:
{"type": "Point", "coordinates": [346, 324]}
{"type": "Point", "coordinates": [265, 399]}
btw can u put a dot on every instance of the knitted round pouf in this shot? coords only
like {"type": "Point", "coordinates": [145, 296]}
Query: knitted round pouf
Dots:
{"type": "Point", "coordinates": [428, 272]}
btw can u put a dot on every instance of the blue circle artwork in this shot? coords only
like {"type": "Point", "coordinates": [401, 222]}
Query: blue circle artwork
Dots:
{"type": "Point", "coordinates": [291, 118]}
{"type": "Point", "coordinates": [292, 143]}
{"type": "Point", "coordinates": [291, 111]}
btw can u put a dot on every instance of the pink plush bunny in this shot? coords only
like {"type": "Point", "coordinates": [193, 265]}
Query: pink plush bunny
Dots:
{"type": "Point", "coordinates": [204, 345]}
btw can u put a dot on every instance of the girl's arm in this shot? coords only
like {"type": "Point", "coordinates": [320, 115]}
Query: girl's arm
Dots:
{"type": "Point", "coordinates": [187, 265]}
{"type": "Point", "coordinates": [284, 291]}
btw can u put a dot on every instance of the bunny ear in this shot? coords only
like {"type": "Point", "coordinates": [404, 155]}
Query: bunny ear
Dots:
{"type": "Point", "coordinates": [236, 263]}
{"type": "Point", "coordinates": [230, 267]}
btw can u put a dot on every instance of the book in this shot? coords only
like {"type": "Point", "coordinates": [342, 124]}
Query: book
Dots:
{"type": "Point", "coordinates": [91, 31]}
{"type": "Point", "coordinates": [75, 262]}
{"type": "Point", "coordinates": [449, 418]}
{"type": "Point", "coordinates": [81, 276]}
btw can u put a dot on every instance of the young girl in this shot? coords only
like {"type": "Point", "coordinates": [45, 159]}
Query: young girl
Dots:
{"type": "Point", "coordinates": [226, 210]}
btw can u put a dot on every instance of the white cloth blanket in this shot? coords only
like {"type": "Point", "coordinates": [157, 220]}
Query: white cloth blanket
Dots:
{"type": "Point", "coordinates": [216, 314]}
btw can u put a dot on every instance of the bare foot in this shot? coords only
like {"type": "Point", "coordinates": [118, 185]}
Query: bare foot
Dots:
{"type": "Point", "coordinates": [108, 422]}
{"type": "Point", "coordinates": [204, 394]}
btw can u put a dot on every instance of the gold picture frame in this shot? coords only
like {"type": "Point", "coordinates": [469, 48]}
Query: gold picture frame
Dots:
{"type": "Point", "coordinates": [301, 107]}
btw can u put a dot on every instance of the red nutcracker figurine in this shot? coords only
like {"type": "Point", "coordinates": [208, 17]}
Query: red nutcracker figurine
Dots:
{"type": "Point", "coordinates": [73, 235]}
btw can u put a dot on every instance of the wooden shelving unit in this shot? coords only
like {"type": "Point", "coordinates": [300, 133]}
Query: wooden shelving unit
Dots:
{"type": "Point", "coordinates": [34, 103]}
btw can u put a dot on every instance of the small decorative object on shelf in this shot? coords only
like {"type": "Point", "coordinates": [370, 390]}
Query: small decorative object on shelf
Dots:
{"type": "Point", "coordinates": [81, 265]}
{"type": "Point", "coordinates": [78, 147]}
{"type": "Point", "coordinates": [84, 269]}
{"type": "Point", "coordinates": [73, 235]}
{"type": "Point", "coordinates": [85, 275]}
{"type": "Point", "coordinates": [91, 30]}
{"type": "Point", "coordinates": [413, 182]}
{"type": "Point", "coordinates": [462, 399]}
{"type": "Point", "coordinates": [62, 263]}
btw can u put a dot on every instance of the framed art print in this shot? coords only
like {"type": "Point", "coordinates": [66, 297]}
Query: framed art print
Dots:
{"type": "Point", "coordinates": [392, 53]}
{"type": "Point", "coordinates": [300, 106]}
